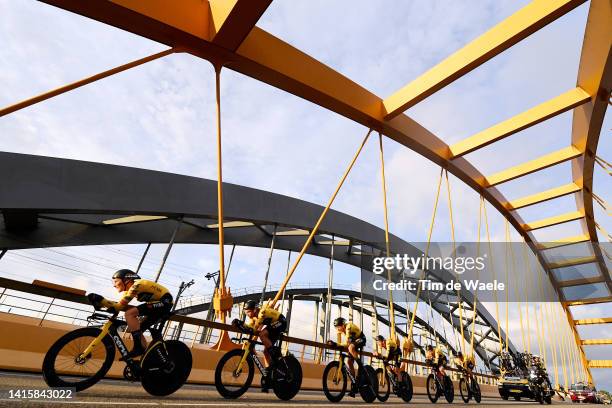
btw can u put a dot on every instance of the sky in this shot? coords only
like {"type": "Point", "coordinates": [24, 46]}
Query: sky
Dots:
{"type": "Point", "coordinates": [161, 116]}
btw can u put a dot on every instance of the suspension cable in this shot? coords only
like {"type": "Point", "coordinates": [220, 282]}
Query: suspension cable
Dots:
{"type": "Point", "coordinates": [431, 226]}
{"type": "Point", "coordinates": [459, 302]}
{"type": "Point", "coordinates": [273, 302]}
{"type": "Point", "coordinates": [484, 208]}
{"type": "Point", "coordinates": [387, 246]}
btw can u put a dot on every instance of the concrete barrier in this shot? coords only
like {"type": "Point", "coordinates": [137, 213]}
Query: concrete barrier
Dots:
{"type": "Point", "coordinates": [24, 342]}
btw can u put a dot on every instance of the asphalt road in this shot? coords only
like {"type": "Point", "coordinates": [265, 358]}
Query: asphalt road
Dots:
{"type": "Point", "coordinates": [118, 393]}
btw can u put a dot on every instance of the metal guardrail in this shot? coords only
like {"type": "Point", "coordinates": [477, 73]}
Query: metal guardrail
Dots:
{"type": "Point", "coordinates": [198, 300]}
{"type": "Point", "coordinates": [188, 329]}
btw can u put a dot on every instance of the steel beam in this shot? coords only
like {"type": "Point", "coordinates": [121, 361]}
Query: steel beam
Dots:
{"type": "Point", "coordinates": [542, 196]}
{"type": "Point", "coordinates": [531, 117]}
{"type": "Point", "coordinates": [596, 342]}
{"type": "Point", "coordinates": [572, 262]}
{"type": "Point", "coordinates": [581, 281]}
{"type": "Point", "coordinates": [232, 20]}
{"type": "Point", "coordinates": [504, 35]}
{"type": "Point", "coordinates": [556, 220]}
{"type": "Point", "coordinates": [532, 166]}
{"type": "Point", "coordinates": [596, 320]}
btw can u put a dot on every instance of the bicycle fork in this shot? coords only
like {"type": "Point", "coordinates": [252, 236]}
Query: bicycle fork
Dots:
{"type": "Point", "coordinates": [87, 352]}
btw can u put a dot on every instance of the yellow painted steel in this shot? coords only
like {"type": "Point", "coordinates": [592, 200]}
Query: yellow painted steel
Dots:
{"type": "Point", "coordinates": [532, 166]}
{"type": "Point", "coordinates": [387, 248]}
{"type": "Point", "coordinates": [474, 311]}
{"type": "Point", "coordinates": [66, 88]}
{"type": "Point", "coordinates": [550, 221]}
{"type": "Point", "coordinates": [563, 241]}
{"type": "Point", "coordinates": [220, 181]}
{"type": "Point", "coordinates": [542, 197]}
{"type": "Point", "coordinates": [600, 363]}
{"type": "Point", "coordinates": [591, 301]}
{"type": "Point", "coordinates": [493, 271]}
{"type": "Point", "coordinates": [581, 281]}
{"type": "Point", "coordinates": [452, 225]}
{"type": "Point", "coordinates": [572, 262]}
{"type": "Point", "coordinates": [596, 320]}
{"type": "Point", "coordinates": [133, 219]}
{"type": "Point", "coordinates": [533, 116]}
{"type": "Point", "coordinates": [595, 342]}
{"type": "Point", "coordinates": [526, 293]}
{"type": "Point", "coordinates": [505, 34]}
{"type": "Point", "coordinates": [232, 224]}
{"type": "Point", "coordinates": [507, 267]}
{"type": "Point", "coordinates": [191, 16]}
{"type": "Point", "coordinates": [273, 302]}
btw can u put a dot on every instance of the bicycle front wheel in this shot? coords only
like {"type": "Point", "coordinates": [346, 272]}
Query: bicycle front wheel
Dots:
{"type": "Point", "coordinates": [64, 366]}
{"type": "Point", "coordinates": [432, 389]}
{"type": "Point", "coordinates": [231, 380]}
{"type": "Point", "coordinates": [334, 382]}
{"type": "Point", "coordinates": [384, 386]}
{"type": "Point", "coordinates": [464, 390]}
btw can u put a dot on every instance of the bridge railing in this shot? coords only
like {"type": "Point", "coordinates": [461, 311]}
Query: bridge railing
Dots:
{"type": "Point", "coordinates": [25, 299]}
{"type": "Point", "coordinates": [198, 300]}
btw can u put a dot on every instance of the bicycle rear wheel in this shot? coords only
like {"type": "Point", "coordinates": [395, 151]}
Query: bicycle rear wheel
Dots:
{"type": "Point", "coordinates": [63, 367]}
{"type": "Point", "coordinates": [406, 388]}
{"type": "Point", "coordinates": [368, 383]}
{"type": "Point", "coordinates": [334, 382]}
{"type": "Point", "coordinates": [476, 391]}
{"type": "Point", "coordinates": [231, 382]}
{"type": "Point", "coordinates": [287, 378]}
{"type": "Point", "coordinates": [449, 389]}
{"type": "Point", "coordinates": [159, 378]}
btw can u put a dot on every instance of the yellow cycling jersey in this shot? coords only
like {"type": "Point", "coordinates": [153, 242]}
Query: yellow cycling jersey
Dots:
{"type": "Point", "coordinates": [143, 290]}
{"type": "Point", "coordinates": [352, 332]}
{"type": "Point", "coordinates": [266, 316]}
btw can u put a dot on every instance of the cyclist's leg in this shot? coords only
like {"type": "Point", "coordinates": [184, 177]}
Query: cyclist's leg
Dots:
{"type": "Point", "coordinates": [264, 336]}
{"type": "Point", "coordinates": [352, 355]}
{"type": "Point", "coordinates": [131, 318]}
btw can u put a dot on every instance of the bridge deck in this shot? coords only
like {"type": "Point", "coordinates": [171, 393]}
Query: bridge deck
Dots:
{"type": "Point", "coordinates": [119, 393]}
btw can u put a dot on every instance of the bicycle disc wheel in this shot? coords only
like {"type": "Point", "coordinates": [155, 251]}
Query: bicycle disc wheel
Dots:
{"type": "Point", "coordinates": [406, 388]}
{"type": "Point", "coordinates": [368, 383]}
{"type": "Point", "coordinates": [162, 379]}
{"type": "Point", "coordinates": [334, 382]}
{"type": "Point", "coordinates": [384, 386]}
{"type": "Point", "coordinates": [476, 391]}
{"type": "Point", "coordinates": [547, 391]}
{"type": "Point", "coordinates": [230, 381]}
{"type": "Point", "coordinates": [62, 367]}
{"type": "Point", "coordinates": [287, 378]}
{"type": "Point", "coordinates": [449, 389]}
{"type": "Point", "coordinates": [464, 390]}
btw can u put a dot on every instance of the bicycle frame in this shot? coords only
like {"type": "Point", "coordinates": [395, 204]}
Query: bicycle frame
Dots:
{"type": "Point", "coordinates": [248, 346]}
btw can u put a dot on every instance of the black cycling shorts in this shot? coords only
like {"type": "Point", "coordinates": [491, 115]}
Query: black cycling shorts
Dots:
{"type": "Point", "coordinates": [395, 355]}
{"type": "Point", "coordinates": [360, 341]}
{"type": "Point", "coordinates": [155, 310]}
{"type": "Point", "coordinates": [276, 329]}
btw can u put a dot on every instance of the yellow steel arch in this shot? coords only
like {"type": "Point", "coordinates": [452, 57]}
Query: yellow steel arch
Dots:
{"type": "Point", "coordinates": [224, 32]}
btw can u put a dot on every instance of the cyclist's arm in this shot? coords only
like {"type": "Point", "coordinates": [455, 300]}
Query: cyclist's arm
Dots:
{"type": "Point", "coordinates": [127, 297]}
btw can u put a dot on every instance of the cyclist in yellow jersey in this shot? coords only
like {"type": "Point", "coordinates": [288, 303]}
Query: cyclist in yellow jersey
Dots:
{"type": "Point", "coordinates": [157, 302]}
{"type": "Point", "coordinates": [354, 342]}
{"type": "Point", "coordinates": [272, 324]}
{"type": "Point", "coordinates": [389, 351]}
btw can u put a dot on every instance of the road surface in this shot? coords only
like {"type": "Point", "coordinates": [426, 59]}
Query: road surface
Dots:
{"type": "Point", "coordinates": [117, 393]}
